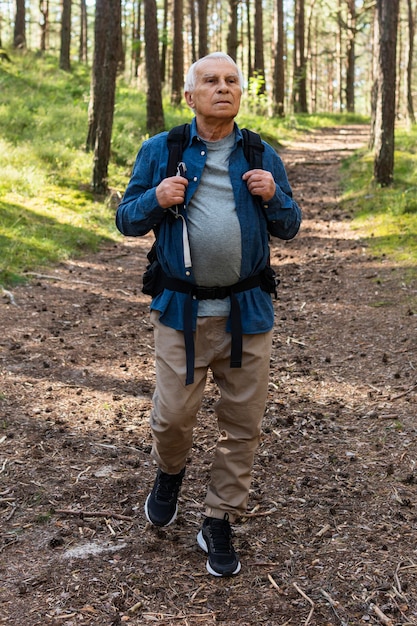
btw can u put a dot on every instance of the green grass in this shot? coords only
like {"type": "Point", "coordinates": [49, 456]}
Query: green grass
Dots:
{"type": "Point", "coordinates": [48, 213]}
{"type": "Point", "coordinates": [386, 216]}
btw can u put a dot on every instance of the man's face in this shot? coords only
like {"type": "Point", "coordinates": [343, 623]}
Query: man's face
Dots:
{"type": "Point", "coordinates": [217, 91]}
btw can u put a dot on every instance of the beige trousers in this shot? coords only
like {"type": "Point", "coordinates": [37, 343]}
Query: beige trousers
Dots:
{"type": "Point", "coordinates": [239, 410]}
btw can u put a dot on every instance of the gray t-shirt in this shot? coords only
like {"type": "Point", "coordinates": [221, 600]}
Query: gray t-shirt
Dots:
{"type": "Point", "coordinates": [214, 228]}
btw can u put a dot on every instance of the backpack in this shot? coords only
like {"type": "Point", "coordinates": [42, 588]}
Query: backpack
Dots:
{"type": "Point", "coordinates": [179, 136]}
{"type": "Point", "coordinates": [177, 140]}
{"type": "Point", "coordinates": [154, 280]}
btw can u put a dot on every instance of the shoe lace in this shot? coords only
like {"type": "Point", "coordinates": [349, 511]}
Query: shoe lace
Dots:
{"type": "Point", "coordinates": [168, 487]}
{"type": "Point", "coordinates": [221, 535]}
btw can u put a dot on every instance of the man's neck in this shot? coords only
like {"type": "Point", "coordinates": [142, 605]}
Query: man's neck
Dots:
{"type": "Point", "coordinates": [214, 131]}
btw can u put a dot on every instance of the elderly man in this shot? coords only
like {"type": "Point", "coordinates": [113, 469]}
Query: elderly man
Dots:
{"type": "Point", "coordinates": [214, 311]}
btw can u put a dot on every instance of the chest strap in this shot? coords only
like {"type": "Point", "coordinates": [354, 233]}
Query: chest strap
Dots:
{"type": "Point", "coordinates": [195, 292]}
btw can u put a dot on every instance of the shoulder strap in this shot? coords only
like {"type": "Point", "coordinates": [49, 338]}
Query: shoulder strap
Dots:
{"type": "Point", "coordinates": [253, 148]}
{"type": "Point", "coordinates": [177, 139]}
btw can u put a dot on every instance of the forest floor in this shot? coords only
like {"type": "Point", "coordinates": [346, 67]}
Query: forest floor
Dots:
{"type": "Point", "coordinates": [330, 535]}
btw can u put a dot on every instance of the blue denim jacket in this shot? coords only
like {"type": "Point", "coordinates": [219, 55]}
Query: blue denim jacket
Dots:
{"type": "Point", "coordinates": [139, 213]}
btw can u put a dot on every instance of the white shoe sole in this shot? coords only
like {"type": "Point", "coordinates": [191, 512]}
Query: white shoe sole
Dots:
{"type": "Point", "coordinates": [203, 545]}
{"type": "Point", "coordinates": [173, 518]}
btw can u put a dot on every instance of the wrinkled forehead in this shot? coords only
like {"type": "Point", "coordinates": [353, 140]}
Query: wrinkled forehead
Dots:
{"type": "Point", "coordinates": [216, 67]}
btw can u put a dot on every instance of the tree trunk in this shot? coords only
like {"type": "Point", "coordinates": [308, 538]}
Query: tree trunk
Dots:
{"type": "Point", "coordinates": [107, 32]}
{"type": "Point", "coordinates": [300, 64]}
{"type": "Point", "coordinates": [154, 109]}
{"type": "Point", "coordinates": [19, 34]}
{"type": "Point", "coordinates": [249, 31]}
{"type": "Point", "coordinates": [193, 34]}
{"type": "Point", "coordinates": [44, 25]}
{"type": "Point", "coordinates": [82, 52]}
{"type": "Point", "coordinates": [411, 31]}
{"type": "Point", "coordinates": [232, 38]}
{"type": "Point", "coordinates": [64, 56]}
{"type": "Point", "coordinates": [177, 55]}
{"type": "Point", "coordinates": [385, 25]}
{"type": "Point", "coordinates": [350, 56]}
{"type": "Point", "coordinates": [279, 67]}
{"type": "Point", "coordinates": [202, 28]}
{"type": "Point", "coordinates": [259, 48]}
{"type": "Point", "coordinates": [165, 37]}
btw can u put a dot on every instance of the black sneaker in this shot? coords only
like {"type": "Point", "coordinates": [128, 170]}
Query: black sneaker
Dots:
{"type": "Point", "coordinates": [161, 505]}
{"type": "Point", "coordinates": [215, 538]}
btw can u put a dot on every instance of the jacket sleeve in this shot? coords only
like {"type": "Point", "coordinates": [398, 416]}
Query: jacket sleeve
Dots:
{"type": "Point", "coordinates": [282, 212]}
{"type": "Point", "coordinates": [139, 211]}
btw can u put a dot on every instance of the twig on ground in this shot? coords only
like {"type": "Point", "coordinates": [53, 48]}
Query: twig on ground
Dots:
{"type": "Point", "coordinates": [110, 527]}
{"type": "Point", "coordinates": [384, 619]}
{"type": "Point", "coordinates": [329, 598]}
{"type": "Point", "coordinates": [398, 588]}
{"type": "Point", "coordinates": [261, 513]}
{"type": "Point", "coordinates": [170, 616]}
{"type": "Point", "coordinates": [309, 600]}
{"type": "Point", "coordinates": [81, 473]}
{"type": "Point", "coordinates": [9, 295]}
{"type": "Point", "coordinates": [274, 584]}
{"type": "Point", "coordinates": [323, 530]}
{"type": "Point", "coordinates": [404, 393]}
{"type": "Point", "coordinates": [62, 278]}
{"type": "Point", "coordinates": [83, 514]}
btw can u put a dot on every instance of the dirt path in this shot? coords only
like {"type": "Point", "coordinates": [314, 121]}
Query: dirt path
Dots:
{"type": "Point", "coordinates": [331, 539]}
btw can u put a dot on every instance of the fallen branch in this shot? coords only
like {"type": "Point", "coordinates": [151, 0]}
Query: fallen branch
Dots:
{"type": "Point", "coordinates": [104, 514]}
{"type": "Point", "coordinates": [309, 600]}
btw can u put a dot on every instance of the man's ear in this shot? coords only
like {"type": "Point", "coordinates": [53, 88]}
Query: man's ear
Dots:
{"type": "Point", "coordinates": [189, 99]}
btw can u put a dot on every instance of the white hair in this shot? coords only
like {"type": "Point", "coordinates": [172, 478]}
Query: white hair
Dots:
{"type": "Point", "coordinates": [190, 79]}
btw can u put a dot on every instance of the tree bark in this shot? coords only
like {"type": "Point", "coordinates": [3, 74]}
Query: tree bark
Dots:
{"type": "Point", "coordinates": [19, 33]}
{"type": "Point", "coordinates": [82, 52]}
{"type": "Point", "coordinates": [103, 88]}
{"type": "Point", "coordinates": [383, 93]}
{"type": "Point", "coordinates": [154, 109]}
{"type": "Point", "coordinates": [300, 62]}
{"type": "Point", "coordinates": [279, 66]}
{"type": "Point", "coordinates": [202, 28]}
{"type": "Point", "coordinates": [232, 38]}
{"type": "Point", "coordinates": [177, 54]}
{"type": "Point", "coordinates": [44, 25]}
{"type": "Point", "coordinates": [411, 31]}
{"type": "Point", "coordinates": [259, 68]}
{"type": "Point", "coordinates": [64, 56]}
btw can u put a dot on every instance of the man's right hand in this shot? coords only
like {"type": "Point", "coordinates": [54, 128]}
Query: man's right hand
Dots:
{"type": "Point", "coordinates": [171, 191]}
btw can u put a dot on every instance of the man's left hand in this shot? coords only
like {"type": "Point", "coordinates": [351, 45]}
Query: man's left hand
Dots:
{"type": "Point", "coordinates": [260, 183]}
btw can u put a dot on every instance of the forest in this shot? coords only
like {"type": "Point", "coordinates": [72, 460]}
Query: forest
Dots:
{"type": "Point", "coordinates": [329, 538]}
{"type": "Point", "coordinates": [303, 56]}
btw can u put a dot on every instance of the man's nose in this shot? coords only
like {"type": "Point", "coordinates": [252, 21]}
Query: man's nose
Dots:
{"type": "Point", "coordinates": [222, 86]}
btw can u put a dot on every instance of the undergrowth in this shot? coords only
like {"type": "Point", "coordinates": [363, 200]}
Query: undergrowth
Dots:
{"type": "Point", "coordinates": [386, 216]}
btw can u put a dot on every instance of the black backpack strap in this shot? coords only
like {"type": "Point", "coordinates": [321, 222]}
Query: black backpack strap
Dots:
{"type": "Point", "coordinates": [252, 148]}
{"type": "Point", "coordinates": [178, 138]}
